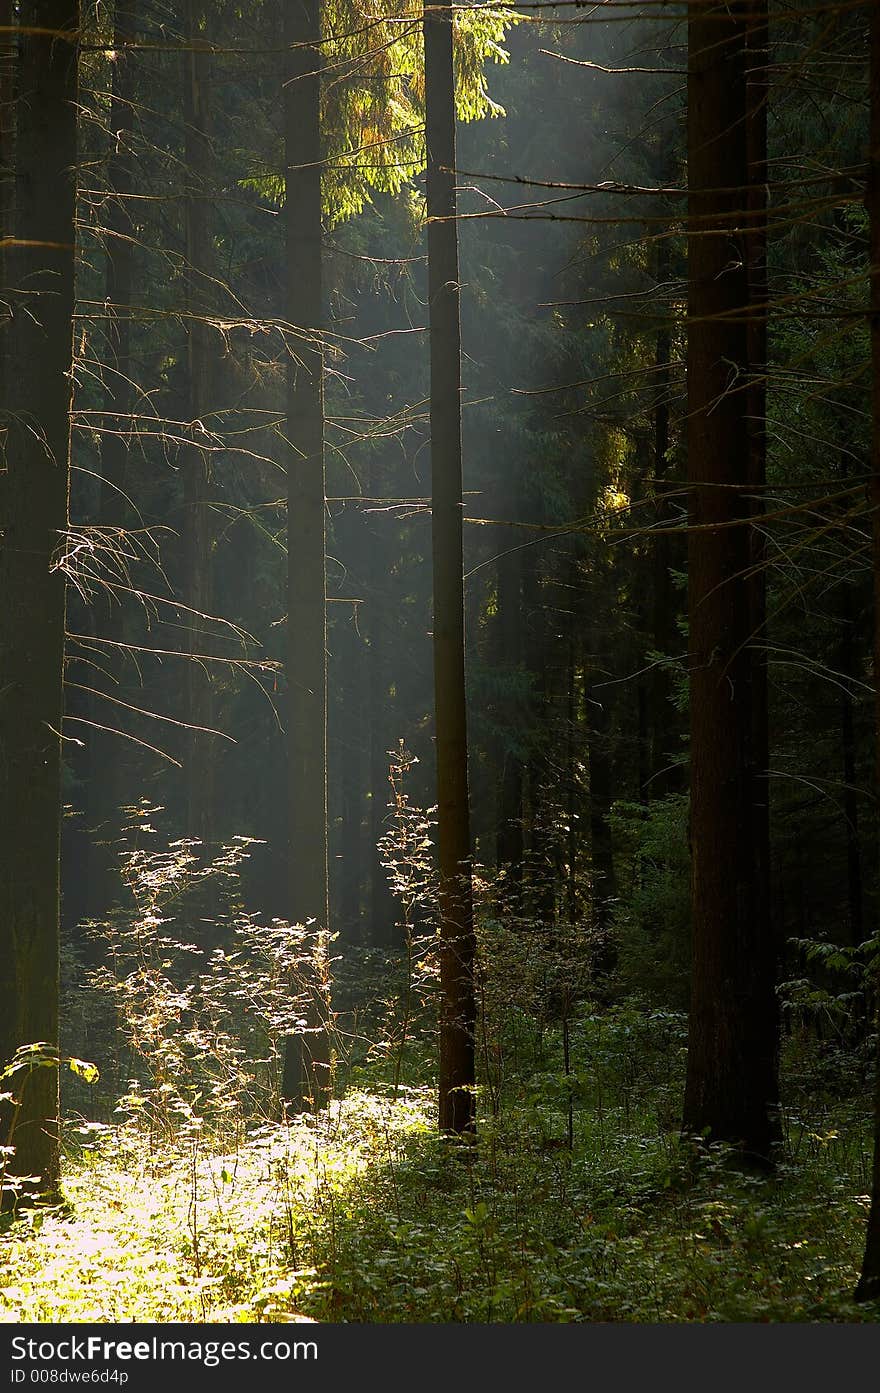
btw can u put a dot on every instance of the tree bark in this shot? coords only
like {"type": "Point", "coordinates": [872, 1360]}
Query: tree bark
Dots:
{"type": "Point", "coordinates": [848, 665]}
{"type": "Point", "coordinates": [7, 185]}
{"type": "Point", "coordinates": [539, 899]}
{"type": "Point", "coordinates": [731, 1087]}
{"type": "Point", "coordinates": [757, 206]}
{"type": "Point", "coordinates": [665, 553]}
{"type": "Point", "coordinates": [457, 1110]}
{"type": "Point", "coordinates": [509, 821]}
{"type": "Point", "coordinates": [603, 884]}
{"type": "Point", "coordinates": [34, 517]}
{"type": "Point", "coordinates": [103, 770]}
{"type": "Point", "coordinates": [347, 649]}
{"type": "Point", "coordinates": [306, 1065]}
{"type": "Point", "coordinates": [384, 910]}
{"type": "Point", "coordinates": [868, 1288]}
{"type": "Point", "coordinates": [198, 587]}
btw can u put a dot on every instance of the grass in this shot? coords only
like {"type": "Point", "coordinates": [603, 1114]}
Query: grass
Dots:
{"type": "Point", "coordinates": [364, 1214]}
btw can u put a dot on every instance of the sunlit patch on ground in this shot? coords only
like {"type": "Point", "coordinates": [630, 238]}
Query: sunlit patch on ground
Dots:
{"type": "Point", "coordinates": [365, 1215]}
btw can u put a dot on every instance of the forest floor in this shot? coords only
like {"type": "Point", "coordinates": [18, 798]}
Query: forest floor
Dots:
{"type": "Point", "coordinates": [363, 1214]}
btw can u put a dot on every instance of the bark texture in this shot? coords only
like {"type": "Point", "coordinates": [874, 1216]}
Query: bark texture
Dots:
{"type": "Point", "coordinates": [306, 1068]}
{"type": "Point", "coordinates": [869, 1283]}
{"type": "Point", "coordinates": [196, 527]}
{"type": "Point", "coordinates": [34, 490]}
{"type": "Point", "coordinates": [457, 1003]}
{"type": "Point", "coordinates": [731, 1086]}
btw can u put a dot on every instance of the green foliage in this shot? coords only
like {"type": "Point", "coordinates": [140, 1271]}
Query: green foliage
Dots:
{"type": "Point", "coordinates": [652, 919]}
{"type": "Point", "coordinates": [15, 1075]}
{"type": "Point", "coordinates": [364, 1214]}
{"type": "Point", "coordinates": [204, 1021]}
{"type": "Point", "coordinates": [373, 101]}
{"type": "Point", "coordinates": [407, 854]}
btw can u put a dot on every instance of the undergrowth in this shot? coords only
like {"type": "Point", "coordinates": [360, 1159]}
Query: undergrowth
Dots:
{"type": "Point", "coordinates": [362, 1213]}
{"type": "Point", "coordinates": [187, 1199]}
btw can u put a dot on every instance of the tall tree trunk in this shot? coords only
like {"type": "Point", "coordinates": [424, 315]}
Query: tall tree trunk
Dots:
{"type": "Point", "coordinates": [7, 187]}
{"type": "Point", "coordinates": [509, 820]}
{"type": "Point", "coordinates": [848, 666]}
{"type": "Point", "coordinates": [572, 730]}
{"type": "Point", "coordinates": [384, 909]}
{"type": "Point", "coordinates": [868, 1288]}
{"type": "Point", "coordinates": [457, 1111]}
{"type": "Point", "coordinates": [306, 1065]}
{"type": "Point", "coordinates": [119, 273]}
{"type": "Point", "coordinates": [757, 206]}
{"type": "Point", "coordinates": [198, 759]}
{"type": "Point", "coordinates": [103, 771]}
{"type": "Point", "coordinates": [34, 517]}
{"type": "Point", "coordinates": [540, 897]}
{"type": "Point", "coordinates": [664, 606]}
{"type": "Point", "coordinates": [349, 661]}
{"type": "Point", "coordinates": [731, 1086]}
{"type": "Point", "coordinates": [598, 718]}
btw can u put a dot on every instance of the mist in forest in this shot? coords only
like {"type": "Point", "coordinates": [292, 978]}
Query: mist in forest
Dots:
{"type": "Point", "coordinates": [533, 455]}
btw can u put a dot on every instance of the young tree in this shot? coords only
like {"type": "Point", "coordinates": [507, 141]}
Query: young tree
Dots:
{"type": "Point", "coordinates": [34, 492]}
{"type": "Point", "coordinates": [457, 1001]}
{"type": "Point", "coordinates": [731, 1083]}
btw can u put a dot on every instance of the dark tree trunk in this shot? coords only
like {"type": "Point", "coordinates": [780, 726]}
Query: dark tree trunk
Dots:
{"type": "Point", "coordinates": [384, 910]}
{"type": "Point", "coordinates": [457, 1001]}
{"type": "Point", "coordinates": [34, 515]}
{"type": "Point", "coordinates": [103, 770]}
{"type": "Point", "coordinates": [349, 656]}
{"type": "Point", "coordinates": [509, 820]}
{"type": "Point", "coordinates": [7, 186]}
{"type": "Point", "coordinates": [731, 1087]}
{"type": "Point", "coordinates": [119, 271]}
{"type": "Point", "coordinates": [539, 897]}
{"type": "Point", "coordinates": [383, 907]}
{"type": "Point", "coordinates": [854, 880]}
{"type": "Point", "coordinates": [757, 205]}
{"type": "Point", "coordinates": [603, 885]}
{"type": "Point", "coordinates": [664, 775]}
{"type": "Point", "coordinates": [306, 1065]}
{"type": "Point", "coordinates": [198, 752]}
{"type": "Point", "coordinates": [572, 731]}
{"type": "Point", "coordinates": [869, 1282]}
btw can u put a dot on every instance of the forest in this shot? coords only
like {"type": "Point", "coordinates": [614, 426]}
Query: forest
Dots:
{"type": "Point", "coordinates": [439, 653]}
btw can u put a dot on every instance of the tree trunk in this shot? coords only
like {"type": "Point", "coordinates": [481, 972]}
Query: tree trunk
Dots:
{"type": "Point", "coordinates": [198, 759]}
{"type": "Point", "coordinates": [7, 186]}
{"type": "Point", "coordinates": [34, 516]}
{"type": "Point", "coordinates": [457, 1110]}
{"type": "Point", "coordinates": [384, 911]}
{"type": "Point", "coordinates": [603, 884]}
{"type": "Point", "coordinates": [349, 656]}
{"type": "Point", "coordinates": [572, 731]}
{"type": "Point", "coordinates": [509, 821]}
{"type": "Point", "coordinates": [868, 1288]}
{"type": "Point", "coordinates": [306, 1064]}
{"type": "Point", "coordinates": [847, 663]}
{"type": "Point", "coordinates": [731, 1087]}
{"type": "Point", "coordinates": [539, 899]}
{"type": "Point", "coordinates": [665, 725]}
{"type": "Point", "coordinates": [103, 770]}
{"type": "Point", "coordinates": [757, 205]}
